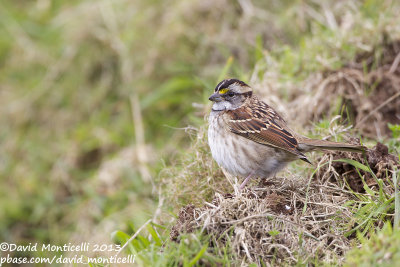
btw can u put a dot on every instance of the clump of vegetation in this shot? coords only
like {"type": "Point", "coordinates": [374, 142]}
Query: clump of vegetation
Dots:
{"type": "Point", "coordinates": [283, 221]}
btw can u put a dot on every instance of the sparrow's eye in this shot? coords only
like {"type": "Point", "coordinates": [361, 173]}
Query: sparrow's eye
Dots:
{"type": "Point", "coordinates": [230, 94]}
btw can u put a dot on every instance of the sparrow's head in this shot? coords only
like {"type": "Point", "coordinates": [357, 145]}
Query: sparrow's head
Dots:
{"type": "Point", "coordinates": [230, 94]}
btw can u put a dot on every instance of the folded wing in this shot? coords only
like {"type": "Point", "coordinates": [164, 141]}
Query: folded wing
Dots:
{"type": "Point", "coordinates": [263, 125]}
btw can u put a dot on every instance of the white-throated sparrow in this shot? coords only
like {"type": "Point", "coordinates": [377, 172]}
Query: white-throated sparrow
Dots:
{"type": "Point", "coordinates": [250, 139]}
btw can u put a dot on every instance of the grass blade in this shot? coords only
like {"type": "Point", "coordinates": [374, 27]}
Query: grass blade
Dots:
{"type": "Point", "coordinates": [355, 164]}
{"type": "Point", "coordinates": [226, 69]}
{"type": "Point", "coordinates": [396, 199]}
{"type": "Point", "coordinates": [154, 234]}
{"type": "Point", "coordinates": [198, 256]}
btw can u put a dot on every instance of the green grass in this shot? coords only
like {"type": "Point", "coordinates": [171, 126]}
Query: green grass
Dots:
{"type": "Point", "coordinates": [191, 250]}
{"type": "Point", "coordinates": [380, 249]}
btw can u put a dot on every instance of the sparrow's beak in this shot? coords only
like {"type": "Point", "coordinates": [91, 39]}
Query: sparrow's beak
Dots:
{"type": "Point", "coordinates": [216, 97]}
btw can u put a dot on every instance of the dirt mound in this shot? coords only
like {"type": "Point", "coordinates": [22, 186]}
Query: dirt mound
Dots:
{"type": "Point", "coordinates": [368, 90]}
{"type": "Point", "coordinates": [286, 222]}
{"type": "Point", "coordinates": [185, 222]}
{"type": "Point", "coordinates": [377, 158]}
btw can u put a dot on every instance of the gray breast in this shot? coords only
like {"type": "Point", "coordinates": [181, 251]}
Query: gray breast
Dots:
{"type": "Point", "coordinates": [239, 155]}
{"type": "Point", "coordinates": [230, 151]}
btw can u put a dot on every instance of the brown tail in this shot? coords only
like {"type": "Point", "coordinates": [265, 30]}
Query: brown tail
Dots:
{"type": "Point", "coordinates": [311, 144]}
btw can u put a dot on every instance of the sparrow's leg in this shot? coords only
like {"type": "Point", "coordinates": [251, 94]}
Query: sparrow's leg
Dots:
{"type": "Point", "coordinates": [246, 180]}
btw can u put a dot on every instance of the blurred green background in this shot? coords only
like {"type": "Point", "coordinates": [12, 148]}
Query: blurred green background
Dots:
{"type": "Point", "coordinates": [73, 74]}
{"type": "Point", "coordinates": [92, 94]}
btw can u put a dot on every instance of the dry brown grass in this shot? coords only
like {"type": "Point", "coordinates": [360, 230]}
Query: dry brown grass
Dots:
{"type": "Point", "coordinates": [367, 92]}
{"type": "Point", "coordinates": [284, 221]}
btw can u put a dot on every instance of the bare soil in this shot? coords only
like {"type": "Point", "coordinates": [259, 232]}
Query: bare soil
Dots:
{"type": "Point", "coordinates": [377, 158]}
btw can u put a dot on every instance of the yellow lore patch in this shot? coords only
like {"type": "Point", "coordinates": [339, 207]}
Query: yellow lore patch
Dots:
{"type": "Point", "coordinates": [223, 91]}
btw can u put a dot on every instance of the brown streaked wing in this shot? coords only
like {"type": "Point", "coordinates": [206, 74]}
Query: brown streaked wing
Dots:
{"type": "Point", "coordinates": [263, 130]}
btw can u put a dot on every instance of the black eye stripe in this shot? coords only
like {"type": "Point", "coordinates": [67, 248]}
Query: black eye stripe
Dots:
{"type": "Point", "coordinates": [246, 94]}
